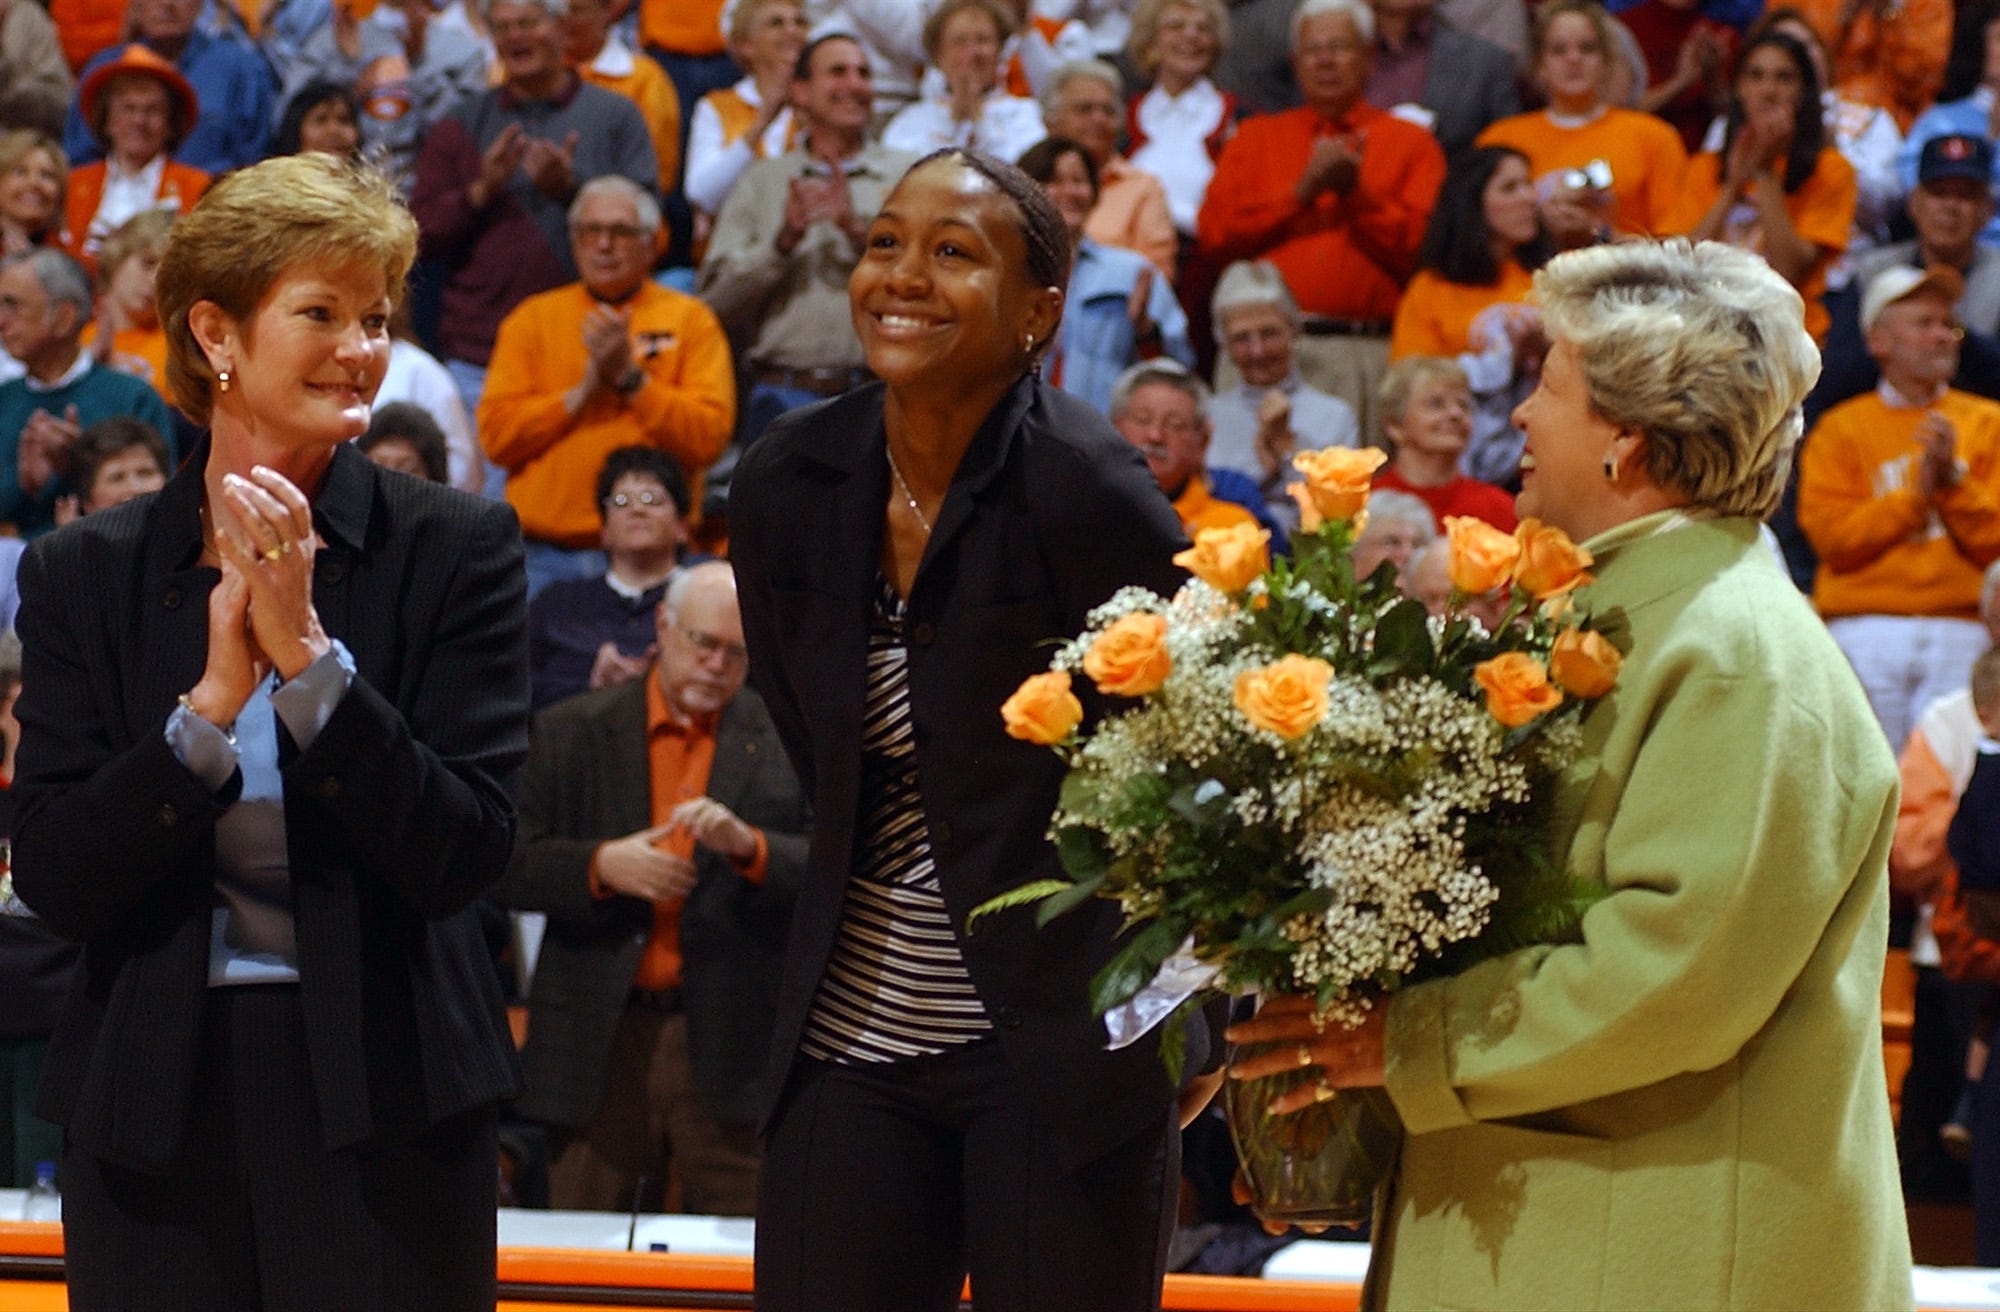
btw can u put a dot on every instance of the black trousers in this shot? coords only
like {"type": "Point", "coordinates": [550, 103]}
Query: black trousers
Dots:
{"type": "Point", "coordinates": [262, 1216]}
{"type": "Point", "coordinates": [884, 1184]}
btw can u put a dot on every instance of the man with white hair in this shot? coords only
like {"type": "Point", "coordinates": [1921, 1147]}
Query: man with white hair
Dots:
{"type": "Point", "coordinates": [45, 304]}
{"type": "Point", "coordinates": [611, 361]}
{"type": "Point", "coordinates": [663, 833]}
{"type": "Point", "coordinates": [497, 175]}
{"type": "Point", "coordinates": [1336, 194]}
{"type": "Point", "coordinates": [1899, 493]}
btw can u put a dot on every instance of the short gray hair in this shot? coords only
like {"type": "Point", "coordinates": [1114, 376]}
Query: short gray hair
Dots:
{"type": "Point", "coordinates": [62, 280]}
{"type": "Point", "coordinates": [707, 573]}
{"type": "Point", "coordinates": [554, 8]}
{"type": "Point", "coordinates": [1067, 73]}
{"type": "Point", "coordinates": [1388, 508]}
{"type": "Point", "coordinates": [1252, 282]}
{"type": "Point", "coordinates": [1702, 349]}
{"type": "Point", "coordinates": [1165, 370]}
{"type": "Point", "coordinates": [1355, 11]}
{"type": "Point", "coordinates": [620, 187]}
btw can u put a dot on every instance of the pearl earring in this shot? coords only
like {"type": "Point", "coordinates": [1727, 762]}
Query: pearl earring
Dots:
{"type": "Point", "coordinates": [222, 379]}
{"type": "Point", "coordinates": [1028, 343]}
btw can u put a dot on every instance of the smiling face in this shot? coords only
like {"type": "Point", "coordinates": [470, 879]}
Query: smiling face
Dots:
{"type": "Point", "coordinates": [31, 192]}
{"type": "Point", "coordinates": [776, 35]}
{"type": "Point", "coordinates": [1260, 342]}
{"type": "Point", "coordinates": [1573, 63]}
{"type": "Point", "coordinates": [1508, 204]}
{"type": "Point", "coordinates": [1768, 86]}
{"type": "Point", "coordinates": [941, 295]}
{"type": "Point", "coordinates": [1436, 421]}
{"type": "Point", "coordinates": [838, 92]}
{"type": "Point", "coordinates": [1562, 462]}
{"type": "Point", "coordinates": [968, 52]}
{"type": "Point", "coordinates": [1069, 187]}
{"type": "Point", "coordinates": [1185, 45]}
{"type": "Point", "coordinates": [138, 115]}
{"type": "Point", "coordinates": [330, 126]}
{"type": "Point", "coordinates": [529, 41]}
{"type": "Point", "coordinates": [1088, 113]}
{"type": "Point", "coordinates": [308, 362]}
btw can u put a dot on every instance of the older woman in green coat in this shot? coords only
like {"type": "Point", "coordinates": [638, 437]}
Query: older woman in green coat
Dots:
{"type": "Point", "coordinates": [1686, 1106]}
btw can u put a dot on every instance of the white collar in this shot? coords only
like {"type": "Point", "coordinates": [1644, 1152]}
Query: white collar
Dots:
{"type": "Point", "coordinates": [615, 59]}
{"type": "Point", "coordinates": [77, 369]}
{"type": "Point", "coordinates": [1895, 400]}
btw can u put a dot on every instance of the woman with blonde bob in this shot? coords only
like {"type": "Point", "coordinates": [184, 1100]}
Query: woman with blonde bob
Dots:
{"type": "Point", "coordinates": [265, 768]}
{"type": "Point", "coordinates": [1688, 1095]}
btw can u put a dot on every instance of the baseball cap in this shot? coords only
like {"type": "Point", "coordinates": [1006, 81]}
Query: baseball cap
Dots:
{"type": "Point", "coordinates": [1893, 284]}
{"type": "Point", "coordinates": [1955, 156]}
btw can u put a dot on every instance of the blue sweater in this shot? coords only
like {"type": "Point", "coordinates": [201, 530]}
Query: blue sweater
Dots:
{"type": "Point", "coordinates": [99, 394]}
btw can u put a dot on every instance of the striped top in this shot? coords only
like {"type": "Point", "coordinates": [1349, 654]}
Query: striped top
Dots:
{"type": "Point", "coordinates": [896, 986]}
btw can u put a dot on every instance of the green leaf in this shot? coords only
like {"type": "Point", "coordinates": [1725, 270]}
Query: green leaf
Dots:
{"type": "Point", "coordinates": [1073, 896]}
{"type": "Point", "coordinates": [1134, 965]}
{"type": "Point", "coordinates": [1081, 852]}
{"type": "Point", "coordinates": [1308, 903]}
{"type": "Point", "coordinates": [1033, 891]}
{"type": "Point", "coordinates": [1403, 640]}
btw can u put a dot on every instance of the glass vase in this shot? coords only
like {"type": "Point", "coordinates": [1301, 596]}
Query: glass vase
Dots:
{"type": "Point", "coordinates": [1320, 1166]}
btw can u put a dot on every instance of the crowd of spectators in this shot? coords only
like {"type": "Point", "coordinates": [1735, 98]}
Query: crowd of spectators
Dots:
{"type": "Point", "coordinates": [1297, 224]}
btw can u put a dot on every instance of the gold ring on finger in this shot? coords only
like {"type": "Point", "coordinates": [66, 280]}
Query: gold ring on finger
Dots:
{"type": "Point", "coordinates": [1305, 1056]}
{"type": "Point", "coordinates": [1323, 1092]}
{"type": "Point", "coordinates": [273, 554]}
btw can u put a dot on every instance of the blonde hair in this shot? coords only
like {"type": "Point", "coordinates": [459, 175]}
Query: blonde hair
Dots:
{"type": "Point", "coordinates": [1410, 375]}
{"type": "Point", "coordinates": [1590, 12]}
{"type": "Point", "coordinates": [18, 143]}
{"type": "Point", "coordinates": [1701, 348]}
{"type": "Point", "coordinates": [1146, 29]}
{"type": "Point", "coordinates": [145, 231]}
{"type": "Point", "coordinates": [743, 19]}
{"type": "Point", "coordinates": [254, 225]}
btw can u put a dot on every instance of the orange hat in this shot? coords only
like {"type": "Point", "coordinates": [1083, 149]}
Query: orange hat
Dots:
{"type": "Point", "coordinates": [136, 58]}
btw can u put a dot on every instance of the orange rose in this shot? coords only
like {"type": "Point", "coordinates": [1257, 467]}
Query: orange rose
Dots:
{"type": "Point", "coordinates": [1043, 709]}
{"type": "Point", "coordinates": [1550, 563]}
{"type": "Point", "coordinates": [1228, 559]}
{"type": "Point", "coordinates": [1517, 688]}
{"type": "Point", "coordinates": [1583, 663]}
{"type": "Point", "coordinates": [1130, 657]}
{"type": "Point", "coordinates": [1481, 556]}
{"type": "Point", "coordinates": [1287, 697]}
{"type": "Point", "coordinates": [1338, 478]}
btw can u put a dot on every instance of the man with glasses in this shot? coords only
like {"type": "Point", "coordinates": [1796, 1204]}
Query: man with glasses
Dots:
{"type": "Point", "coordinates": [613, 360]}
{"type": "Point", "coordinates": [497, 174]}
{"type": "Point", "coordinates": [1161, 408]}
{"type": "Point", "coordinates": [597, 632]}
{"type": "Point", "coordinates": [1899, 493]}
{"type": "Point", "coordinates": [663, 834]}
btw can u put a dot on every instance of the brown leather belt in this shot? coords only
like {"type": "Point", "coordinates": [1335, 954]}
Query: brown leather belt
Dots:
{"type": "Point", "coordinates": [820, 382]}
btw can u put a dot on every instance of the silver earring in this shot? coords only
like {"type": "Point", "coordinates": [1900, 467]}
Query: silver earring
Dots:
{"type": "Point", "coordinates": [1028, 344]}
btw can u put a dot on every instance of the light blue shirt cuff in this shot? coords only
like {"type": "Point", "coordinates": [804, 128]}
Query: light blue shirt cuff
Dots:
{"type": "Point", "coordinates": [208, 753]}
{"type": "Point", "coordinates": [306, 701]}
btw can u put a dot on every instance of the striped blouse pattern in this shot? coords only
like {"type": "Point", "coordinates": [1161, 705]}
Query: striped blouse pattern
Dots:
{"type": "Point", "coordinates": [896, 986]}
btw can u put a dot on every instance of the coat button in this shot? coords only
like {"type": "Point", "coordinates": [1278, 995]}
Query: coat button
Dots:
{"type": "Point", "coordinates": [169, 817]}
{"type": "Point", "coordinates": [329, 788]}
{"type": "Point", "coordinates": [172, 598]}
{"type": "Point", "coordinates": [924, 634]}
{"type": "Point", "coordinates": [331, 571]}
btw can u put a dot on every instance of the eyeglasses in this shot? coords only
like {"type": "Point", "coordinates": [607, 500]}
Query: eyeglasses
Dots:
{"type": "Point", "coordinates": [708, 646]}
{"type": "Point", "coordinates": [627, 500]}
{"type": "Point", "coordinates": [589, 232]}
{"type": "Point", "coordinates": [1171, 425]}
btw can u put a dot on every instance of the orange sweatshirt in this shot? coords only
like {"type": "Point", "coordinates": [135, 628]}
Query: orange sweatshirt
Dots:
{"type": "Point", "coordinates": [686, 406]}
{"type": "Point", "coordinates": [1883, 549]}
{"type": "Point", "coordinates": [681, 27]}
{"type": "Point", "coordinates": [1646, 158]}
{"type": "Point", "coordinates": [1435, 316]}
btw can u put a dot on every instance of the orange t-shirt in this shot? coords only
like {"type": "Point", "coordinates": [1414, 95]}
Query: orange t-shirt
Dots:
{"type": "Point", "coordinates": [1435, 315]}
{"type": "Point", "coordinates": [1645, 155]}
{"type": "Point", "coordinates": [1822, 211]}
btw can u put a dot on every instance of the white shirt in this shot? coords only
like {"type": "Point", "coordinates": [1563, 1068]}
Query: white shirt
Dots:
{"type": "Point", "coordinates": [1177, 129]}
{"type": "Point", "coordinates": [126, 194]}
{"type": "Point", "coordinates": [1006, 126]}
{"type": "Point", "coordinates": [1319, 420]}
{"type": "Point", "coordinates": [713, 165]}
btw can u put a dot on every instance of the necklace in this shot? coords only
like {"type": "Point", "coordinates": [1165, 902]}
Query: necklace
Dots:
{"type": "Point", "coordinates": [909, 498]}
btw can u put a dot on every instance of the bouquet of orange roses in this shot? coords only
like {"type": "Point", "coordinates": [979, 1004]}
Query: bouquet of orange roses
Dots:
{"type": "Point", "coordinates": [1307, 783]}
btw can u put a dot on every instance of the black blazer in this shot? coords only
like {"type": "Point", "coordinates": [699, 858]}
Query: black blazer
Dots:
{"type": "Point", "coordinates": [1049, 514]}
{"type": "Point", "coordinates": [397, 816]}
{"type": "Point", "coordinates": [588, 779]}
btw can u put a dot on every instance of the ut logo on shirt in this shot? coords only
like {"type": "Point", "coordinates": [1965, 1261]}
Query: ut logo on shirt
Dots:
{"type": "Point", "coordinates": [1899, 474]}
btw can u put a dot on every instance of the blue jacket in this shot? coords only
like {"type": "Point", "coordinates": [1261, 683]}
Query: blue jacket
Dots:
{"type": "Point", "coordinates": [1097, 342]}
{"type": "Point", "coordinates": [234, 87]}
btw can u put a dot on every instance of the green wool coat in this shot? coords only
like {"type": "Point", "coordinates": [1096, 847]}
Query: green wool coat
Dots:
{"type": "Point", "coordinates": [1687, 1108]}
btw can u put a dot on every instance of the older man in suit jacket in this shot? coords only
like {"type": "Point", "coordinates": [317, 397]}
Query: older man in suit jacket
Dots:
{"type": "Point", "coordinates": [1428, 70]}
{"type": "Point", "coordinates": [662, 831]}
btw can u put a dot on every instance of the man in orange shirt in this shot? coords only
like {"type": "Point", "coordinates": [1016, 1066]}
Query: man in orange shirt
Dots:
{"type": "Point", "coordinates": [1336, 194]}
{"type": "Point", "coordinates": [663, 834]}
{"type": "Point", "coordinates": [614, 360]}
